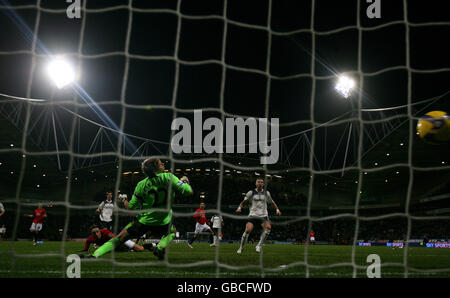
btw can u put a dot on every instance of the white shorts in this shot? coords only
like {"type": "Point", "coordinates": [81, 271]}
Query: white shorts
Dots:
{"type": "Point", "coordinates": [129, 244]}
{"type": "Point", "coordinates": [36, 227]}
{"type": "Point", "coordinates": [201, 227]}
{"type": "Point", "coordinates": [312, 239]}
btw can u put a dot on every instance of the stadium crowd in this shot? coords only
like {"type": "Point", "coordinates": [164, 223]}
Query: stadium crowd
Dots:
{"type": "Point", "coordinates": [293, 226]}
{"type": "Point", "coordinates": [335, 231]}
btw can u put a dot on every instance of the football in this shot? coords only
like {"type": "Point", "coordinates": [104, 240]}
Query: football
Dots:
{"type": "Point", "coordinates": [434, 127]}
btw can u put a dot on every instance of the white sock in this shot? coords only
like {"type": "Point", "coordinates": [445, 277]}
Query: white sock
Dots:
{"type": "Point", "coordinates": [264, 235]}
{"type": "Point", "coordinates": [215, 239]}
{"type": "Point", "coordinates": [244, 239]}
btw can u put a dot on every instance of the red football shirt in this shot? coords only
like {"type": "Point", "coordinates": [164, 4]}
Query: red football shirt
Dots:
{"type": "Point", "coordinates": [200, 216]}
{"type": "Point", "coordinates": [39, 215]}
{"type": "Point", "coordinates": [106, 236]}
{"type": "Point", "coordinates": [311, 235]}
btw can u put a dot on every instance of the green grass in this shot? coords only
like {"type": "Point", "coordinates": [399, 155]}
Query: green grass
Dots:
{"type": "Point", "coordinates": [49, 260]}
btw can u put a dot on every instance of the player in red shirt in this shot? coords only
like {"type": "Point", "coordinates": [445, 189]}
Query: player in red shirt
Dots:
{"type": "Point", "coordinates": [201, 225]}
{"type": "Point", "coordinates": [36, 227]}
{"type": "Point", "coordinates": [101, 236]}
{"type": "Point", "coordinates": [312, 237]}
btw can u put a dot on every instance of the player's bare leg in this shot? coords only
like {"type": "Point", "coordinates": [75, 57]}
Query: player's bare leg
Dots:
{"type": "Point", "coordinates": [267, 227]}
{"type": "Point", "coordinates": [244, 238]}
{"type": "Point", "coordinates": [137, 247]}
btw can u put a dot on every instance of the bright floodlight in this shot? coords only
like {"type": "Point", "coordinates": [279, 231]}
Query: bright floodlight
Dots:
{"type": "Point", "coordinates": [61, 72]}
{"type": "Point", "coordinates": [344, 86]}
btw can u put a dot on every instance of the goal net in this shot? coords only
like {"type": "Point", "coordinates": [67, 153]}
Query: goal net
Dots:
{"type": "Point", "coordinates": [342, 163]}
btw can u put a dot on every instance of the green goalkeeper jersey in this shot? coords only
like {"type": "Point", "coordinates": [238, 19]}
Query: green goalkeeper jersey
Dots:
{"type": "Point", "coordinates": [151, 193]}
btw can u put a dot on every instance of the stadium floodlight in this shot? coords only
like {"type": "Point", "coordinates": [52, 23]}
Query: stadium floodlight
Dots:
{"type": "Point", "coordinates": [61, 72]}
{"type": "Point", "coordinates": [344, 86]}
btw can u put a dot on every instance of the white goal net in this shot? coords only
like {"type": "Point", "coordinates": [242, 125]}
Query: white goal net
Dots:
{"type": "Point", "coordinates": [348, 167]}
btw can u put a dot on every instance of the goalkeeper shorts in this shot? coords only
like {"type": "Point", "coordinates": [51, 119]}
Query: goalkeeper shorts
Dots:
{"type": "Point", "coordinates": [136, 229]}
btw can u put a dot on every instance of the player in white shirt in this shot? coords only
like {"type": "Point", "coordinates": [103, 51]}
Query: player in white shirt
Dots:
{"type": "Point", "coordinates": [3, 232]}
{"type": "Point", "coordinates": [217, 224]}
{"type": "Point", "coordinates": [3, 228]}
{"type": "Point", "coordinates": [258, 198]}
{"type": "Point", "coordinates": [106, 210]}
{"type": "Point", "coordinates": [2, 209]}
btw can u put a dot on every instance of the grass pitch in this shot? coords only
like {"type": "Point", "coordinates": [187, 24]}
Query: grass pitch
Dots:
{"type": "Point", "coordinates": [22, 259]}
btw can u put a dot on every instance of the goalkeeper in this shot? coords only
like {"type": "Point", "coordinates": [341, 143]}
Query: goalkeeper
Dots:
{"type": "Point", "coordinates": [150, 194]}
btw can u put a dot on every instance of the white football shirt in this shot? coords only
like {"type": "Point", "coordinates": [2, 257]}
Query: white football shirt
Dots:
{"type": "Point", "coordinates": [216, 221]}
{"type": "Point", "coordinates": [258, 201]}
{"type": "Point", "coordinates": [106, 210]}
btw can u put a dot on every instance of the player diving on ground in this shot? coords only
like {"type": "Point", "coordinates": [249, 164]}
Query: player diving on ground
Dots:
{"type": "Point", "coordinates": [149, 195]}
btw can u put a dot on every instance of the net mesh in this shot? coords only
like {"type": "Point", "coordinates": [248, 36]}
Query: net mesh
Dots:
{"type": "Point", "coordinates": [22, 107]}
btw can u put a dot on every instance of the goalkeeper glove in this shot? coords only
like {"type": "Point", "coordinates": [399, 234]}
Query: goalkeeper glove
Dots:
{"type": "Point", "coordinates": [123, 197]}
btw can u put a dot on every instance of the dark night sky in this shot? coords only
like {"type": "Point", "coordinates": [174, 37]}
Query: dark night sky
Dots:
{"type": "Point", "coordinates": [151, 81]}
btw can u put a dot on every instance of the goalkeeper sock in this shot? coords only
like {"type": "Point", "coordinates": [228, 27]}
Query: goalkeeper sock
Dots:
{"type": "Point", "coordinates": [244, 239]}
{"type": "Point", "coordinates": [264, 235]}
{"type": "Point", "coordinates": [107, 247]}
{"type": "Point", "coordinates": [165, 240]}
